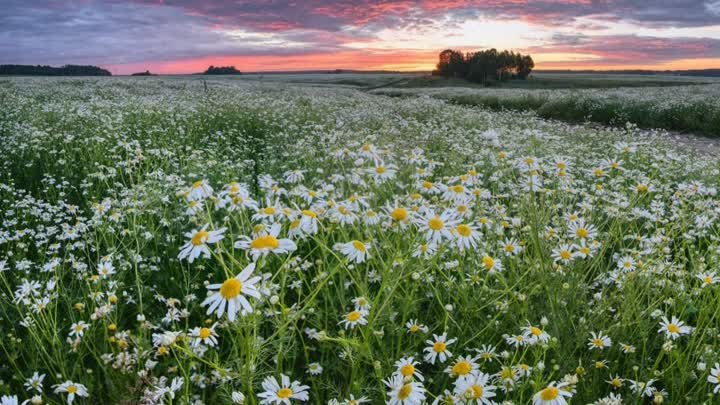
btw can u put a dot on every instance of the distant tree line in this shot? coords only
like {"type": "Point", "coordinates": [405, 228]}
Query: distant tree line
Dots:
{"type": "Point", "coordinates": [67, 70]}
{"type": "Point", "coordinates": [222, 70]}
{"type": "Point", "coordinates": [484, 66]}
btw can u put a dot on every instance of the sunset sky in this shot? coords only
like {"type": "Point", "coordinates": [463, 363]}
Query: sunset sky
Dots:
{"type": "Point", "coordinates": [185, 36]}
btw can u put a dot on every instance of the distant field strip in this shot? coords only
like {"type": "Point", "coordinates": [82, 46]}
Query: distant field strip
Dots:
{"type": "Point", "coordinates": [683, 108]}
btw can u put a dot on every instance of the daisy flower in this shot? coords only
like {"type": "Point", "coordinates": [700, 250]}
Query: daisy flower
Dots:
{"type": "Point", "coordinates": [464, 365]}
{"type": "Point", "coordinates": [413, 326]}
{"type": "Point", "coordinates": [197, 245]}
{"type": "Point", "coordinates": [426, 250]}
{"type": "Point", "coordinates": [673, 328]}
{"type": "Point", "coordinates": [283, 392]}
{"type": "Point", "coordinates": [315, 369]}
{"type": "Point", "coordinates": [564, 254]}
{"type": "Point", "coordinates": [436, 227]}
{"type": "Point", "coordinates": [475, 388]}
{"type": "Point", "coordinates": [491, 265]}
{"type": "Point", "coordinates": [553, 394]}
{"type": "Point", "coordinates": [231, 294]}
{"type": "Point", "coordinates": [361, 304]}
{"type": "Point", "coordinates": [399, 215]}
{"type": "Point", "coordinates": [626, 264]}
{"type": "Point", "coordinates": [78, 329]}
{"type": "Point", "coordinates": [599, 341]}
{"type": "Point", "coordinates": [582, 231]}
{"type": "Point", "coordinates": [405, 367]}
{"type": "Point", "coordinates": [510, 247]}
{"type": "Point", "coordinates": [35, 382]}
{"type": "Point", "coordinates": [708, 278]}
{"type": "Point", "coordinates": [200, 190]}
{"type": "Point", "coordinates": [466, 236]}
{"type": "Point", "coordinates": [402, 393]}
{"type": "Point", "coordinates": [354, 251]}
{"type": "Point", "coordinates": [72, 389]}
{"type": "Point", "coordinates": [353, 319]}
{"type": "Point", "coordinates": [382, 173]}
{"type": "Point", "coordinates": [534, 334]}
{"type": "Point", "coordinates": [308, 222]}
{"type": "Point", "coordinates": [265, 243]}
{"type": "Point", "coordinates": [437, 348]}
{"type": "Point", "coordinates": [206, 336]}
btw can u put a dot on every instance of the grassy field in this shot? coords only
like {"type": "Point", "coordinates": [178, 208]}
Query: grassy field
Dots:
{"type": "Point", "coordinates": [672, 104]}
{"type": "Point", "coordinates": [277, 243]}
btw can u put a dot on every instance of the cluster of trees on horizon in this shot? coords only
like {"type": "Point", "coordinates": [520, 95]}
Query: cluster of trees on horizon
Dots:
{"type": "Point", "coordinates": [484, 66]}
{"type": "Point", "coordinates": [221, 70]}
{"type": "Point", "coordinates": [67, 70]}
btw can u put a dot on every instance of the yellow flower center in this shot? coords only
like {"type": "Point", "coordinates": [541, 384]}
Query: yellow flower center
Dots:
{"type": "Point", "coordinates": [461, 368]}
{"type": "Point", "coordinates": [535, 331]}
{"type": "Point", "coordinates": [488, 262]}
{"type": "Point", "coordinates": [458, 189]}
{"type": "Point", "coordinates": [642, 188]}
{"type": "Point", "coordinates": [353, 316]}
{"type": "Point", "coordinates": [414, 328]}
{"type": "Point", "coordinates": [399, 214]}
{"type": "Point", "coordinates": [200, 238]}
{"type": "Point", "coordinates": [380, 170]}
{"type": "Point", "coordinates": [197, 184]}
{"type": "Point", "coordinates": [204, 333]}
{"type": "Point", "coordinates": [427, 185]}
{"type": "Point", "coordinates": [359, 246]}
{"type": "Point", "coordinates": [597, 342]}
{"type": "Point", "coordinates": [582, 232]}
{"type": "Point", "coordinates": [549, 393]}
{"type": "Point", "coordinates": [284, 393]}
{"type": "Point", "coordinates": [309, 213]}
{"type": "Point", "coordinates": [269, 210]}
{"type": "Point", "coordinates": [509, 248]}
{"type": "Point", "coordinates": [672, 328]}
{"type": "Point", "coordinates": [565, 255]}
{"type": "Point", "coordinates": [407, 370]}
{"type": "Point", "coordinates": [464, 230]}
{"type": "Point", "coordinates": [265, 242]}
{"type": "Point", "coordinates": [435, 223]}
{"type": "Point", "coordinates": [439, 347]}
{"type": "Point", "coordinates": [476, 391]}
{"type": "Point", "coordinates": [72, 389]}
{"type": "Point", "coordinates": [230, 288]}
{"type": "Point", "coordinates": [707, 280]}
{"type": "Point", "coordinates": [405, 392]}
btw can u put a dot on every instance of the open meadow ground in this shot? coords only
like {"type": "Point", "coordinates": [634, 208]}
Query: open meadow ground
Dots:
{"type": "Point", "coordinates": [268, 241]}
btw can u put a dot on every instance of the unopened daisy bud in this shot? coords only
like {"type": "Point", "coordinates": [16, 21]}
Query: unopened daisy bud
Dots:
{"type": "Point", "coordinates": [274, 299]}
{"type": "Point", "coordinates": [140, 318]}
{"type": "Point", "coordinates": [449, 307]}
{"type": "Point", "coordinates": [36, 400]}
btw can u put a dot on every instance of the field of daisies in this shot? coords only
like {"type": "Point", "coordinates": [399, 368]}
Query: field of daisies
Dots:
{"type": "Point", "coordinates": [166, 242]}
